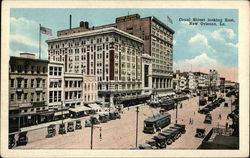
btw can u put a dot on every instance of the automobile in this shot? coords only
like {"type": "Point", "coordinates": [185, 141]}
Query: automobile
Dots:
{"type": "Point", "coordinates": [62, 129]}
{"type": "Point", "coordinates": [70, 127]}
{"type": "Point", "coordinates": [169, 136]}
{"type": "Point", "coordinates": [205, 94]}
{"type": "Point", "coordinates": [178, 128]}
{"type": "Point", "coordinates": [103, 118]}
{"type": "Point", "coordinates": [51, 130]}
{"type": "Point", "coordinates": [94, 120]}
{"type": "Point", "coordinates": [145, 146]}
{"type": "Point", "coordinates": [204, 110]}
{"type": "Point", "coordinates": [225, 104]}
{"type": "Point", "coordinates": [160, 141]}
{"type": "Point", "coordinates": [183, 127]}
{"type": "Point", "coordinates": [151, 142]}
{"type": "Point", "coordinates": [22, 139]}
{"type": "Point", "coordinates": [208, 119]}
{"type": "Point", "coordinates": [200, 132]}
{"type": "Point", "coordinates": [114, 115]}
{"type": "Point", "coordinates": [210, 97]}
{"type": "Point", "coordinates": [202, 102]}
{"type": "Point", "coordinates": [88, 123]}
{"type": "Point", "coordinates": [78, 124]}
{"type": "Point", "coordinates": [12, 141]}
{"type": "Point", "coordinates": [174, 133]}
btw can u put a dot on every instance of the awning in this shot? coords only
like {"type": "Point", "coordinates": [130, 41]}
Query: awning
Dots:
{"type": "Point", "coordinates": [79, 109]}
{"type": "Point", "coordinates": [60, 113]}
{"type": "Point", "coordinates": [95, 106]}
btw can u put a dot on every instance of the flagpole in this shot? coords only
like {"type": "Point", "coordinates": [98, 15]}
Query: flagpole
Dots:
{"type": "Point", "coordinates": [39, 41]}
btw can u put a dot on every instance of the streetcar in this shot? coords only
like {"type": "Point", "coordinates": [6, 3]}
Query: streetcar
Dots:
{"type": "Point", "coordinates": [157, 122]}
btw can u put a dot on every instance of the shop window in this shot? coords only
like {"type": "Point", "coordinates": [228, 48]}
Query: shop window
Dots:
{"type": "Point", "coordinates": [12, 83]}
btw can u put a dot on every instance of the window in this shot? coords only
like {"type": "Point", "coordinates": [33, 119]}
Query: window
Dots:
{"type": "Point", "coordinates": [66, 84]}
{"type": "Point", "coordinates": [59, 95]}
{"type": "Point", "coordinates": [55, 71]}
{"type": "Point", "coordinates": [55, 96]}
{"type": "Point", "coordinates": [44, 69]}
{"type": "Point", "coordinates": [19, 96]}
{"type": "Point", "coordinates": [37, 83]}
{"type": "Point", "coordinates": [32, 69]}
{"type": "Point", "coordinates": [19, 68]}
{"type": "Point", "coordinates": [32, 97]}
{"type": "Point", "coordinates": [59, 71]}
{"type": "Point", "coordinates": [38, 69]}
{"type": "Point", "coordinates": [19, 83]}
{"type": "Point", "coordinates": [37, 96]}
{"type": "Point", "coordinates": [43, 96]}
{"type": "Point", "coordinates": [44, 85]}
{"type": "Point", "coordinates": [50, 70]}
{"type": "Point", "coordinates": [51, 96]}
{"type": "Point", "coordinates": [12, 83]}
{"type": "Point", "coordinates": [12, 97]}
{"type": "Point", "coordinates": [25, 83]}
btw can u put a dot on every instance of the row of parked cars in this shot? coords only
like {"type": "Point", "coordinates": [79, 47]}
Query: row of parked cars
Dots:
{"type": "Point", "coordinates": [22, 139]}
{"type": "Point", "coordinates": [164, 138]}
{"type": "Point", "coordinates": [211, 106]}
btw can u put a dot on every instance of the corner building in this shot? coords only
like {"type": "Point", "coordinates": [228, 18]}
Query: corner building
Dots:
{"type": "Point", "coordinates": [111, 55]}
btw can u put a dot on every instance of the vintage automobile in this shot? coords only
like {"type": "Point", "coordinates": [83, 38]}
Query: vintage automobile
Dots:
{"type": "Point", "coordinates": [160, 141]}
{"type": "Point", "coordinates": [78, 124]}
{"type": "Point", "coordinates": [173, 132]}
{"type": "Point", "coordinates": [12, 141]}
{"type": "Point", "coordinates": [183, 127]}
{"type": "Point", "coordinates": [208, 119]}
{"type": "Point", "coordinates": [22, 139]}
{"type": "Point", "coordinates": [145, 146]}
{"type": "Point", "coordinates": [151, 142]}
{"type": "Point", "coordinates": [202, 102]}
{"type": "Point", "coordinates": [103, 118]}
{"type": "Point", "coordinates": [176, 131]}
{"type": "Point", "coordinates": [210, 97]}
{"type": "Point", "coordinates": [178, 128]}
{"type": "Point", "coordinates": [200, 132]}
{"type": "Point", "coordinates": [204, 110]}
{"type": "Point", "coordinates": [94, 120]}
{"type": "Point", "coordinates": [51, 130]}
{"type": "Point", "coordinates": [114, 115]}
{"type": "Point", "coordinates": [62, 129]}
{"type": "Point", "coordinates": [169, 136]}
{"type": "Point", "coordinates": [88, 123]}
{"type": "Point", "coordinates": [70, 127]}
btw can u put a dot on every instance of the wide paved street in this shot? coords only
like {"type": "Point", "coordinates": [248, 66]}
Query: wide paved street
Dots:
{"type": "Point", "coordinates": [121, 133]}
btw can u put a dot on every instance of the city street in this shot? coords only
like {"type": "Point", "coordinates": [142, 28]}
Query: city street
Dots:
{"type": "Point", "coordinates": [121, 133]}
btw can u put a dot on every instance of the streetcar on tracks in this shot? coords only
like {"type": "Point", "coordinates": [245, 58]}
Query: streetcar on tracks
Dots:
{"type": "Point", "coordinates": [156, 122]}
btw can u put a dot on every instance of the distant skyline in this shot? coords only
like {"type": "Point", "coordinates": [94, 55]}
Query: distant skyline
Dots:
{"type": "Point", "coordinates": [196, 48]}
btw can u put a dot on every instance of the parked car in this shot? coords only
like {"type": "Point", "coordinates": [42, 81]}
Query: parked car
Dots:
{"type": "Point", "coordinates": [200, 132]}
{"type": "Point", "coordinates": [22, 139]}
{"type": "Point", "coordinates": [204, 110]}
{"type": "Point", "coordinates": [183, 127]}
{"type": "Point", "coordinates": [178, 128]}
{"type": "Point", "coordinates": [225, 104]}
{"type": "Point", "coordinates": [12, 141]}
{"type": "Point", "coordinates": [78, 124]}
{"type": "Point", "coordinates": [169, 136]}
{"type": "Point", "coordinates": [145, 146]}
{"type": "Point", "coordinates": [94, 120]}
{"type": "Point", "coordinates": [173, 132]}
{"type": "Point", "coordinates": [208, 119]}
{"type": "Point", "coordinates": [151, 142]}
{"type": "Point", "coordinates": [103, 118]}
{"type": "Point", "coordinates": [51, 130]}
{"type": "Point", "coordinates": [202, 102]}
{"type": "Point", "coordinates": [160, 141]}
{"type": "Point", "coordinates": [88, 123]}
{"type": "Point", "coordinates": [62, 129]}
{"type": "Point", "coordinates": [70, 127]}
{"type": "Point", "coordinates": [114, 115]}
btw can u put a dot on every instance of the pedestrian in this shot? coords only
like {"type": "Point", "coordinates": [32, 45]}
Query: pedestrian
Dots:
{"type": "Point", "coordinates": [220, 116]}
{"type": "Point", "coordinates": [226, 126]}
{"type": "Point", "coordinates": [190, 121]}
{"type": "Point", "coordinates": [100, 134]}
{"type": "Point", "coordinates": [194, 112]}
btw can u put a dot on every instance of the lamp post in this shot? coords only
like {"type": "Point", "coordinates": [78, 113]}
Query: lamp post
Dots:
{"type": "Point", "coordinates": [176, 115]}
{"type": "Point", "coordinates": [136, 136]}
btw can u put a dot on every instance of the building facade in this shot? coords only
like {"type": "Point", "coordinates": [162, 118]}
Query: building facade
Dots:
{"type": "Point", "coordinates": [110, 54]}
{"type": "Point", "coordinates": [28, 79]}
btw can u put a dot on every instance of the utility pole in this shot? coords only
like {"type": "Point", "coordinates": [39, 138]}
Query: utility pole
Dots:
{"type": "Point", "coordinates": [176, 112]}
{"type": "Point", "coordinates": [136, 136]}
{"type": "Point", "coordinates": [62, 110]}
{"type": "Point", "coordinates": [91, 141]}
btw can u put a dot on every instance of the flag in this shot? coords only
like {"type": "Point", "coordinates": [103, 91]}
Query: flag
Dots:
{"type": "Point", "coordinates": [170, 20]}
{"type": "Point", "coordinates": [45, 30]}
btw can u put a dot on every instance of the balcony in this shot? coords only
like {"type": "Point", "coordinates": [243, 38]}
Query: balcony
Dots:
{"type": "Point", "coordinates": [39, 89]}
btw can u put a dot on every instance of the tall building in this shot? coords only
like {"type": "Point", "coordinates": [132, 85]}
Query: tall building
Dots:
{"type": "Point", "coordinates": [158, 43]}
{"type": "Point", "coordinates": [28, 91]}
{"type": "Point", "coordinates": [111, 55]}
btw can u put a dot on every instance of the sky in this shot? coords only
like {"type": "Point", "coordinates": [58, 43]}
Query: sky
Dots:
{"type": "Point", "coordinates": [196, 47]}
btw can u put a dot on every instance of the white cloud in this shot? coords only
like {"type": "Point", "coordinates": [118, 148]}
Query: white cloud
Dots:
{"type": "Point", "coordinates": [223, 34]}
{"type": "Point", "coordinates": [23, 40]}
{"type": "Point", "coordinates": [199, 38]}
{"type": "Point", "coordinates": [232, 45]}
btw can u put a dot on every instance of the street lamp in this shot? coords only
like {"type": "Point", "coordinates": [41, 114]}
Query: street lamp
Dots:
{"type": "Point", "coordinates": [136, 136]}
{"type": "Point", "coordinates": [176, 112]}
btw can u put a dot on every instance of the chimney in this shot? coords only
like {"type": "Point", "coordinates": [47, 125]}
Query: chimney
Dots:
{"type": "Point", "coordinates": [69, 21]}
{"type": "Point", "coordinates": [86, 24]}
{"type": "Point", "coordinates": [81, 24]}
